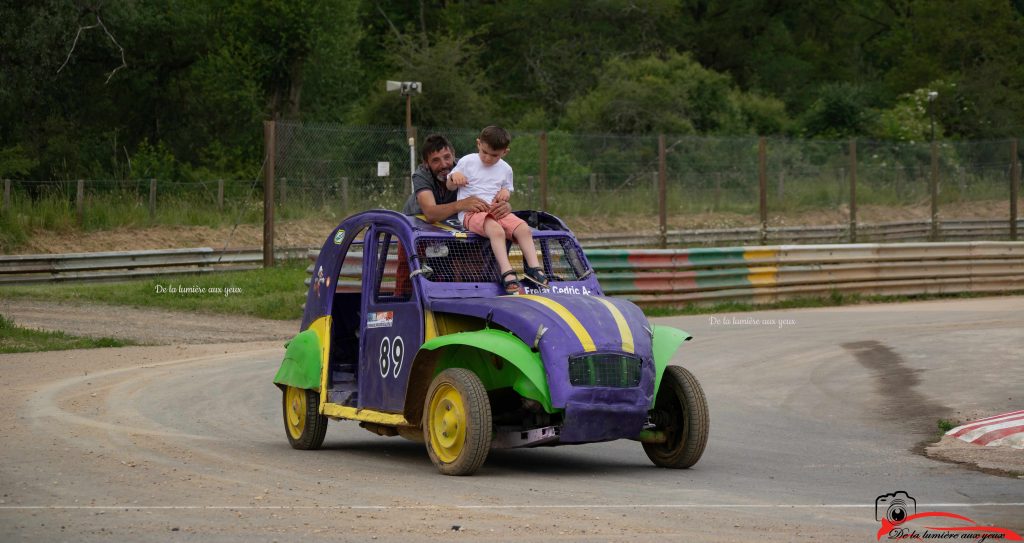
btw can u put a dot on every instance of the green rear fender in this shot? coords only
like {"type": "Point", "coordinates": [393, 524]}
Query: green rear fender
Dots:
{"type": "Point", "coordinates": [301, 365]}
{"type": "Point", "coordinates": [665, 343]}
{"type": "Point", "coordinates": [499, 359]}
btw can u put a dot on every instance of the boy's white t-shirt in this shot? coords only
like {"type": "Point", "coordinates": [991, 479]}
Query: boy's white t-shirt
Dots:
{"type": "Point", "coordinates": [484, 181]}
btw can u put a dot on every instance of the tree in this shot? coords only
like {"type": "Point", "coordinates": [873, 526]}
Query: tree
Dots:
{"type": "Point", "coordinates": [672, 94]}
{"type": "Point", "coordinates": [454, 89]}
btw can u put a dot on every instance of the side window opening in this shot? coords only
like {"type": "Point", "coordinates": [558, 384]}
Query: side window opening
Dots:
{"type": "Point", "coordinates": [391, 281]}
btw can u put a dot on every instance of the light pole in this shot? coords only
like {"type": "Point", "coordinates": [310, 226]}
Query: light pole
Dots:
{"type": "Point", "coordinates": [407, 88]}
{"type": "Point", "coordinates": [934, 181]}
{"type": "Point", "coordinates": [932, 95]}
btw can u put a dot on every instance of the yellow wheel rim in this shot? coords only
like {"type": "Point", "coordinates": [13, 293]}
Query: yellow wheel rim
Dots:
{"type": "Point", "coordinates": [295, 411]}
{"type": "Point", "coordinates": [447, 423]}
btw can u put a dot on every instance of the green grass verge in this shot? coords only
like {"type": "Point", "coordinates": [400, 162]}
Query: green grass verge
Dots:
{"type": "Point", "coordinates": [272, 293]}
{"type": "Point", "coordinates": [15, 339]}
{"type": "Point", "coordinates": [279, 292]}
{"type": "Point", "coordinates": [834, 300]}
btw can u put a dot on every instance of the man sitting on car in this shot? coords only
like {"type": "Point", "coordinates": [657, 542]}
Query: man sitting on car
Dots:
{"type": "Point", "coordinates": [431, 197]}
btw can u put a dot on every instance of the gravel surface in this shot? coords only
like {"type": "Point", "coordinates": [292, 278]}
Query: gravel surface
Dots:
{"type": "Point", "coordinates": [811, 421]}
{"type": "Point", "coordinates": [145, 326]}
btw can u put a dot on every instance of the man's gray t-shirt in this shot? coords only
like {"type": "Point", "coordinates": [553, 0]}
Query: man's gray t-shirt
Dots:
{"type": "Point", "coordinates": [423, 179]}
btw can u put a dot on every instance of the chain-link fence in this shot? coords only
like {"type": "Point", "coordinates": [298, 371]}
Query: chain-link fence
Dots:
{"type": "Point", "coordinates": [604, 182]}
{"type": "Point", "coordinates": [597, 183]}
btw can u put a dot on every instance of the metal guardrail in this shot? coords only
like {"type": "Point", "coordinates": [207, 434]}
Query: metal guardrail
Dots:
{"type": "Point", "coordinates": [817, 274]}
{"type": "Point", "coordinates": [951, 230]}
{"type": "Point", "coordinates": [122, 265]}
{"type": "Point", "coordinates": [763, 274]}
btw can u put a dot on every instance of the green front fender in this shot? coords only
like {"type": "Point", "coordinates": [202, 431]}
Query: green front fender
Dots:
{"type": "Point", "coordinates": [666, 341]}
{"type": "Point", "coordinates": [499, 359]}
{"type": "Point", "coordinates": [301, 365]}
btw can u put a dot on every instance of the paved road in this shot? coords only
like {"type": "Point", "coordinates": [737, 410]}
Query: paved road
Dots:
{"type": "Point", "coordinates": [813, 416]}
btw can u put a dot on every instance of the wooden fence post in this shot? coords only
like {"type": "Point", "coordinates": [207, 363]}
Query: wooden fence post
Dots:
{"type": "Point", "coordinates": [853, 191]}
{"type": "Point", "coordinates": [220, 195]}
{"type": "Point", "coordinates": [543, 171]}
{"type": "Point", "coordinates": [662, 193]}
{"type": "Point", "coordinates": [934, 189]}
{"type": "Point", "coordinates": [80, 202]}
{"type": "Point", "coordinates": [152, 199]}
{"type": "Point", "coordinates": [762, 180]}
{"type": "Point", "coordinates": [268, 194]}
{"type": "Point", "coordinates": [7, 196]}
{"type": "Point", "coordinates": [1014, 188]}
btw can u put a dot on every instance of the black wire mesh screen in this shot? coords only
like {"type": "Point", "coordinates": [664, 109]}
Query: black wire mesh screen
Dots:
{"type": "Point", "coordinates": [471, 260]}
{"type": "Point", "coordinates": [605, 370]}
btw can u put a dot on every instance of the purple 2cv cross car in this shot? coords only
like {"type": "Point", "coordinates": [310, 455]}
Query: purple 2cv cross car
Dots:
{"type": "Point", "coordinates": [407, 331]}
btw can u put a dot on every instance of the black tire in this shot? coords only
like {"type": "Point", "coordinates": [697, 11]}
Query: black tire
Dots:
{"type": "Point", "coordinates": [457, 422]}
{"type": "Point", "coordinates": [303, 423]}
{"type": "Point", "coordinates": [681, 412]}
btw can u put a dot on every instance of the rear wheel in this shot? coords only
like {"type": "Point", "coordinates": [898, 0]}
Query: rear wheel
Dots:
{"type": "Point", "coordinates": [457, 422]}
{"type": "Point", "coordinates": [303, 423]}
{"type": "Point", "coordinates": [681, 413]}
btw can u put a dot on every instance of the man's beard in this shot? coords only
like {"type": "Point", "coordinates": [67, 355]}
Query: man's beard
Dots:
{"type": "Point", "coordinates": [442, 174]}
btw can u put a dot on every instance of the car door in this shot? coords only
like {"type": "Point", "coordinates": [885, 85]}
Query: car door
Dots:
{"type": "Point", "coordinates": [392, 317]}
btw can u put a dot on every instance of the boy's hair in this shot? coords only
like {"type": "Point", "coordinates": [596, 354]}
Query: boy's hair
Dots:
{"type": "Point", "coordinates": [432, 144]}
{"type": "Point", "coordinates": [495, 137]}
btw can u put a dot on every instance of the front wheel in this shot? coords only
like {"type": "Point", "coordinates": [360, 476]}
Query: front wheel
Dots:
{"type": "Point", "coordinates": [303, 423]}
{"type": "Point", "coordinates": [457, 422]}
{"type": "Point", "coordinates": [681, 412]}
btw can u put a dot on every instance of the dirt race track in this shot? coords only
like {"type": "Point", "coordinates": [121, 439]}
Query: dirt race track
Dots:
{"type": "Point", "coordinates": [813, 416]}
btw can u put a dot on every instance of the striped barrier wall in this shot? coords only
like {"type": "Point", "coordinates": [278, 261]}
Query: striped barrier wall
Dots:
{"type": "Point", "coordinates": [773, 273]}
{"type": "Point", "coordinates": [1006, 429]}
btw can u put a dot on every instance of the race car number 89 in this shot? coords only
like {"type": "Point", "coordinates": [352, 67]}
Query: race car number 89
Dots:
{"type": "Point", "coordinates": [391, 353]}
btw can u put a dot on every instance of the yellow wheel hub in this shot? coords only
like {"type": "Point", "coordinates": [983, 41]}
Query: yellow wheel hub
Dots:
{"type": "Point", "coordinates": [295, 408]}
{"type": "Point", "coordinates": [447, 423]}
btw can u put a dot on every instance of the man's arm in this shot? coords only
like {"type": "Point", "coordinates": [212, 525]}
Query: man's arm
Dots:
{"type": "Point", "coordinates": [435, 212]}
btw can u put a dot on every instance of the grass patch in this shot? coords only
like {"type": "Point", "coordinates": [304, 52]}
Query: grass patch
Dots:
{"type": "Point", "coordinates": [946, 425]}
{"type": "Point", "coordinates": [279, 292]}
{"type": "Point", "coordinates": [15, 339]}
{"type": "Point", "coordinates": [833, 300]}
{"type": "Point", "coordinates": [272, 293]}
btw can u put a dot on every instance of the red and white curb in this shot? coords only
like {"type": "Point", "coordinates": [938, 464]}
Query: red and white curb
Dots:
{"type": "Point", "coordinates": [1005, 429]}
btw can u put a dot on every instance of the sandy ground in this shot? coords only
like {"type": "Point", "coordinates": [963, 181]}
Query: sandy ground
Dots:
{"type": "Point", "coordinates": [161, 327]}
{"type": "Point", "coordinates": [1002, 460]}
{"type": "Point", "coordinates": [183, 441]}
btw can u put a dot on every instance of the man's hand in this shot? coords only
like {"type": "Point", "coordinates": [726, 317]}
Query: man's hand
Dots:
{"type": "Point", "coordinates": [499, 210]}
{"type": "Point", "coordinates": [473, 203]}
{"type": "Point", "coordinates": [458, 179]}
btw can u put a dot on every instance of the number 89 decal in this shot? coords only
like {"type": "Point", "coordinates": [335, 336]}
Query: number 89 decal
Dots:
{"type": "Point", "coordinates": [391, 353]}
